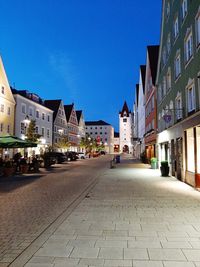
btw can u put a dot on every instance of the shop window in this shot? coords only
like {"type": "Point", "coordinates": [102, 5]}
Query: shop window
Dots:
{"type": "Point", "coordinates": [190, 150]}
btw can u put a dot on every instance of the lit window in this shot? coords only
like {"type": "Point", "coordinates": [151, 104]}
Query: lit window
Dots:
{"type": "Point", "coordinates": [184, 9]}
{"type": "Point", "coordinates": [176, 30]}
{"type": "Point", "coordinates": [191, 98]}
{"type": "Point", "coordinates": [177, 64]}
{"type": "Point", "coordinates": [190, 150]}
{"type": "Point", "coordinates": [178, 108]}
{"type": "Point", "coordinates": [188, 47]}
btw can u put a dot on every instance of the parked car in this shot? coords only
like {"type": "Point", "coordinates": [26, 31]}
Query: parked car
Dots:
{"type": "Point", "coordinates": [71, 155]}
{"type": "Point", "coordinates": [59, 157]}
{"type": "Point", "coordinates": [81, 155]}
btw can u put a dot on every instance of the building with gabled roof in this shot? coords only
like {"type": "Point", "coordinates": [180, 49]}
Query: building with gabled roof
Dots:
{"type": "Point", "coordinates": [7, 105]}
{"type": "Point", "coordinates": [125, 129]}
{"type": "Point", "coordinates": [81, 124]}
{"type": "Point", "coordinates": [72, 125]}
{"type": "Point", "coordinates": [59, 128]}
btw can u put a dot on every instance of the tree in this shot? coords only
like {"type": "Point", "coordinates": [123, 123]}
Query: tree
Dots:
{"type": "Point", "coordinates": [31, 135]}
{"type": "Point", "coordinates": [63, 143]}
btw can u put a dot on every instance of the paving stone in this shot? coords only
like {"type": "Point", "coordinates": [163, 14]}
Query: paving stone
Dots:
{"type": "Point", "coordinates": [135, 254]}
{"type": "Point", "coordinates": [192, 254]}
{"type": "Point", "coordinates": [147, 264]}
{"type": "Point", "coordinates": [82, 252]}
{"type": "Point", "coordinates": [178, 264]}
{"type": "Point", "coordinates": [122, 263]}
{"type": "Point", "coordinates": [166, 254]}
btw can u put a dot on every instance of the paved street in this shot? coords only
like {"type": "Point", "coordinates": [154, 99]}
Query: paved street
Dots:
{"type": "Point", "coordinates": [130, 217]}
{"type": "Point", "coordinates": [29, 204]}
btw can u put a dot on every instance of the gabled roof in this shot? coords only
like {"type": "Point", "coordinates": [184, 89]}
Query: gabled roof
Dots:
{"type": "Point", "coordinates": [97, 123]}
{"type": "Point", "coordinates": [68, 111]}
{"type": "Point", "coordinates": [53, 105]}
{"type": "Point", "coordinates": [153, 53]}
{"type": "Point", "coordinates": [125, 109]}
{"type": "Point", "coordinates": [143, 75]}
{"type": "Point", "coordinates": [78, 115]}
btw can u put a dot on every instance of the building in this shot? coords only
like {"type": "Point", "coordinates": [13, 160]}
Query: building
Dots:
{"type": "Point", "coordinates": [81, 127]}
{"type": "Point", "coordinates": [72, 125]}
{"type": "Point", "coordinates": [136, 140]}
{"type": "Point", "coordinates": [125, 129]}
{"type": "Point", "coordinates": [150, 102]}
{"type": "Point", "coordinates": [178, 81]}
{"type": "Point", "coordinates": [7, 106]}
{"type": "Point", "coordinates": [29, 107]}
{"type": "Point", "coordinates": [116, 142]}
{"type": "Point", "coordinates": [101, 131]}
{"type": "Point", "coordinates": [59, 126]}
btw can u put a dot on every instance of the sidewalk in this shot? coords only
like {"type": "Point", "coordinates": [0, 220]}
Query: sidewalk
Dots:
{"type": "Point", "coordinates": [131, 217]}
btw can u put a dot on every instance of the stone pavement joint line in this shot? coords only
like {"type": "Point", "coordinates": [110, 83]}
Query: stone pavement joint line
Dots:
{"type": "Point", "coordinates": [133, 217]}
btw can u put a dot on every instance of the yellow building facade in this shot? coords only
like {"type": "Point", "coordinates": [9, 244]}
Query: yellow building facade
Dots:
{"type": "Point", "coordinates": [7, 104]}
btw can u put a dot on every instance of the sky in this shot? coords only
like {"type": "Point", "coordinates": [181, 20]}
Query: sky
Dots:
{"type": "Point", "coordinates": [82, 51]}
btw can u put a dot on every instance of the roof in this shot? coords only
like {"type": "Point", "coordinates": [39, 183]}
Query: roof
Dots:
{"type": "Point", "coordinates": [125, 109]}
{"type": "Point", "coordinates": [153, 53]}
{"type": "Point", "coordinates": [78, 114]}
{"type": "Point", "coordinates": [31, 96]}
{"type": "Point", "coordinates": [100, 122]}
{"type": "Point", "coordinates": [68, 111]}
{"type": "Point", "coordinates": [143, 75]}
{"type": "Point", "coordinates": [53, 105]}
{"type": "Point", "coordinates": [116, 134]}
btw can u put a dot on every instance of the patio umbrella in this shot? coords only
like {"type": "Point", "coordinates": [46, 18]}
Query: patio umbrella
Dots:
{"type": "Point", "coordinates": [15, 142]}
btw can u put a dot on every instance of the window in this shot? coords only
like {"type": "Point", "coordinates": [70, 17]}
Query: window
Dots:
{"type": "Point", "coordinates": [152, 103]}
{"type": "Point", "coordinates": [191, 98]}
{"type": "Point", "coordinates": [190, 150]}
{"type": "Point", "coordinates": [22, 128]}
{"type": "Point", "coordinates": [168, 44]}
{"type": "Point", "coordinates": [3, 90]}
{"type": "Point", "coordinates": [23, 108]}
{"type": "Point", "coordinates": [178, 108]}
{"type": "Point", "coordinates": [164, 86]}
{"type": "Point", "coordinates": [8, 128]}
{"type": "Point", "coordinates": [42, 131]}
{"type": "Point", "coordinates": [1, 127]}
{"type": "Point", "coordinates": [37, 114]}
{"type": "Point", "coordinates": [48, 133]}
{"type": "Point", "coordinates": [198, 28]}
{"type": "Point", "coordinates": [30, 111]}
{"type": "Point", "coordinates": [188, 47]}
{"type": "Point", "coordinates": [169, 79]}
{"type": "Point", "coordinates": [2, 107]}
{"type": "Point", "coordinates": [184, 9]}
{"type": "Point", "coordinates": [48, 118]}
{"type": "Point", "coordinates": [8, 111]}
{"type": "Point", "coordinates": [177, 66]}
{"type": "Point", "coordinates": [124, 120]}
{"type": "Point", "coordinates": [167, 9]}
{"type": "Point", "coordinates": [164, 56]}
{"type": "Point", "coordinates": [176, 30]}
{"type": "Point", "coordinates": [43, 116]}
{"type": "Point", "coordinates": [36, 129]}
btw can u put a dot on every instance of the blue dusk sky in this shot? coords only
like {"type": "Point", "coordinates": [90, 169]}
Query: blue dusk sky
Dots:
{"type": "Point", "coordinates": [83, 51]}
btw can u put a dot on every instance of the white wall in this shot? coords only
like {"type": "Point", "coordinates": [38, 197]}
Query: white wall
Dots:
{"type": "Point", "coordinates": [125, 132]}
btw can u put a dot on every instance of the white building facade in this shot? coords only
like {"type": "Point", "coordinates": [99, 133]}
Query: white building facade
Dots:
{"type": "Point", "coordinates": [31, 107]}
{"type": "Point", "coordinates": [125, 129]}
{"type": "Point", "coordinates": [101, 131]}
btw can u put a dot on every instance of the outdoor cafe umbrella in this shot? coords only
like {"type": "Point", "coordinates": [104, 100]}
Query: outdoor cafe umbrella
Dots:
{"type": "Point", "coordinates": [15, 142]}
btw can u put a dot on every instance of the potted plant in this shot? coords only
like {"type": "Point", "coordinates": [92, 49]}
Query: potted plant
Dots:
{"type": "Point", "coordinates": [154, 163]}
{"type": "Point", "coordinates": [164, 168]}
{"type": "Point", "coordinates": [8, 169]}
{"type": "Point", "coordinates": [23, 165]}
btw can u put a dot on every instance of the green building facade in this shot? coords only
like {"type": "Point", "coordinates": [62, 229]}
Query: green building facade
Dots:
{"type": "Point", "coordinates": [178, 89]}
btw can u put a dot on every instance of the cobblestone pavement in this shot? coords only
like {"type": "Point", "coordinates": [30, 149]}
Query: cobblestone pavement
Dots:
{"type": "Point", "coordinates": [29, 204]}
{"type": "Point", "coordinates": [131, 217]}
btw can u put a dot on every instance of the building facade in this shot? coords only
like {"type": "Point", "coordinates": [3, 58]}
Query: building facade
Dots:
{"type": "Point", "coordinates": [81, 127]}
{"type": "Point", "coordinates": [178, 80]}
{"type": "Point", "coordinates": [59, 126]}
{"type": "Point", "coordinates": [7, 107]}
{"type": "Point", "coordinates": [136, 140]}
{"type": "Point", "coordinates": [72, 125]}
{"type": "Point", "coordinates": [141, 109]}
{"type": "Point", "coordinates": [150, 102]}
{"type": "Point", "coordinates": [29, 107]}
{"type": "Point", "coordinates": [101, 131]}
{"type": "Point", "coordinates": [125, 129]}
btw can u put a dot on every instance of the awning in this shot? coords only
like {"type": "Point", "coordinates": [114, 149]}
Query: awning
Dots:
{"type": "Point", "coordinates": [15, 142]}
